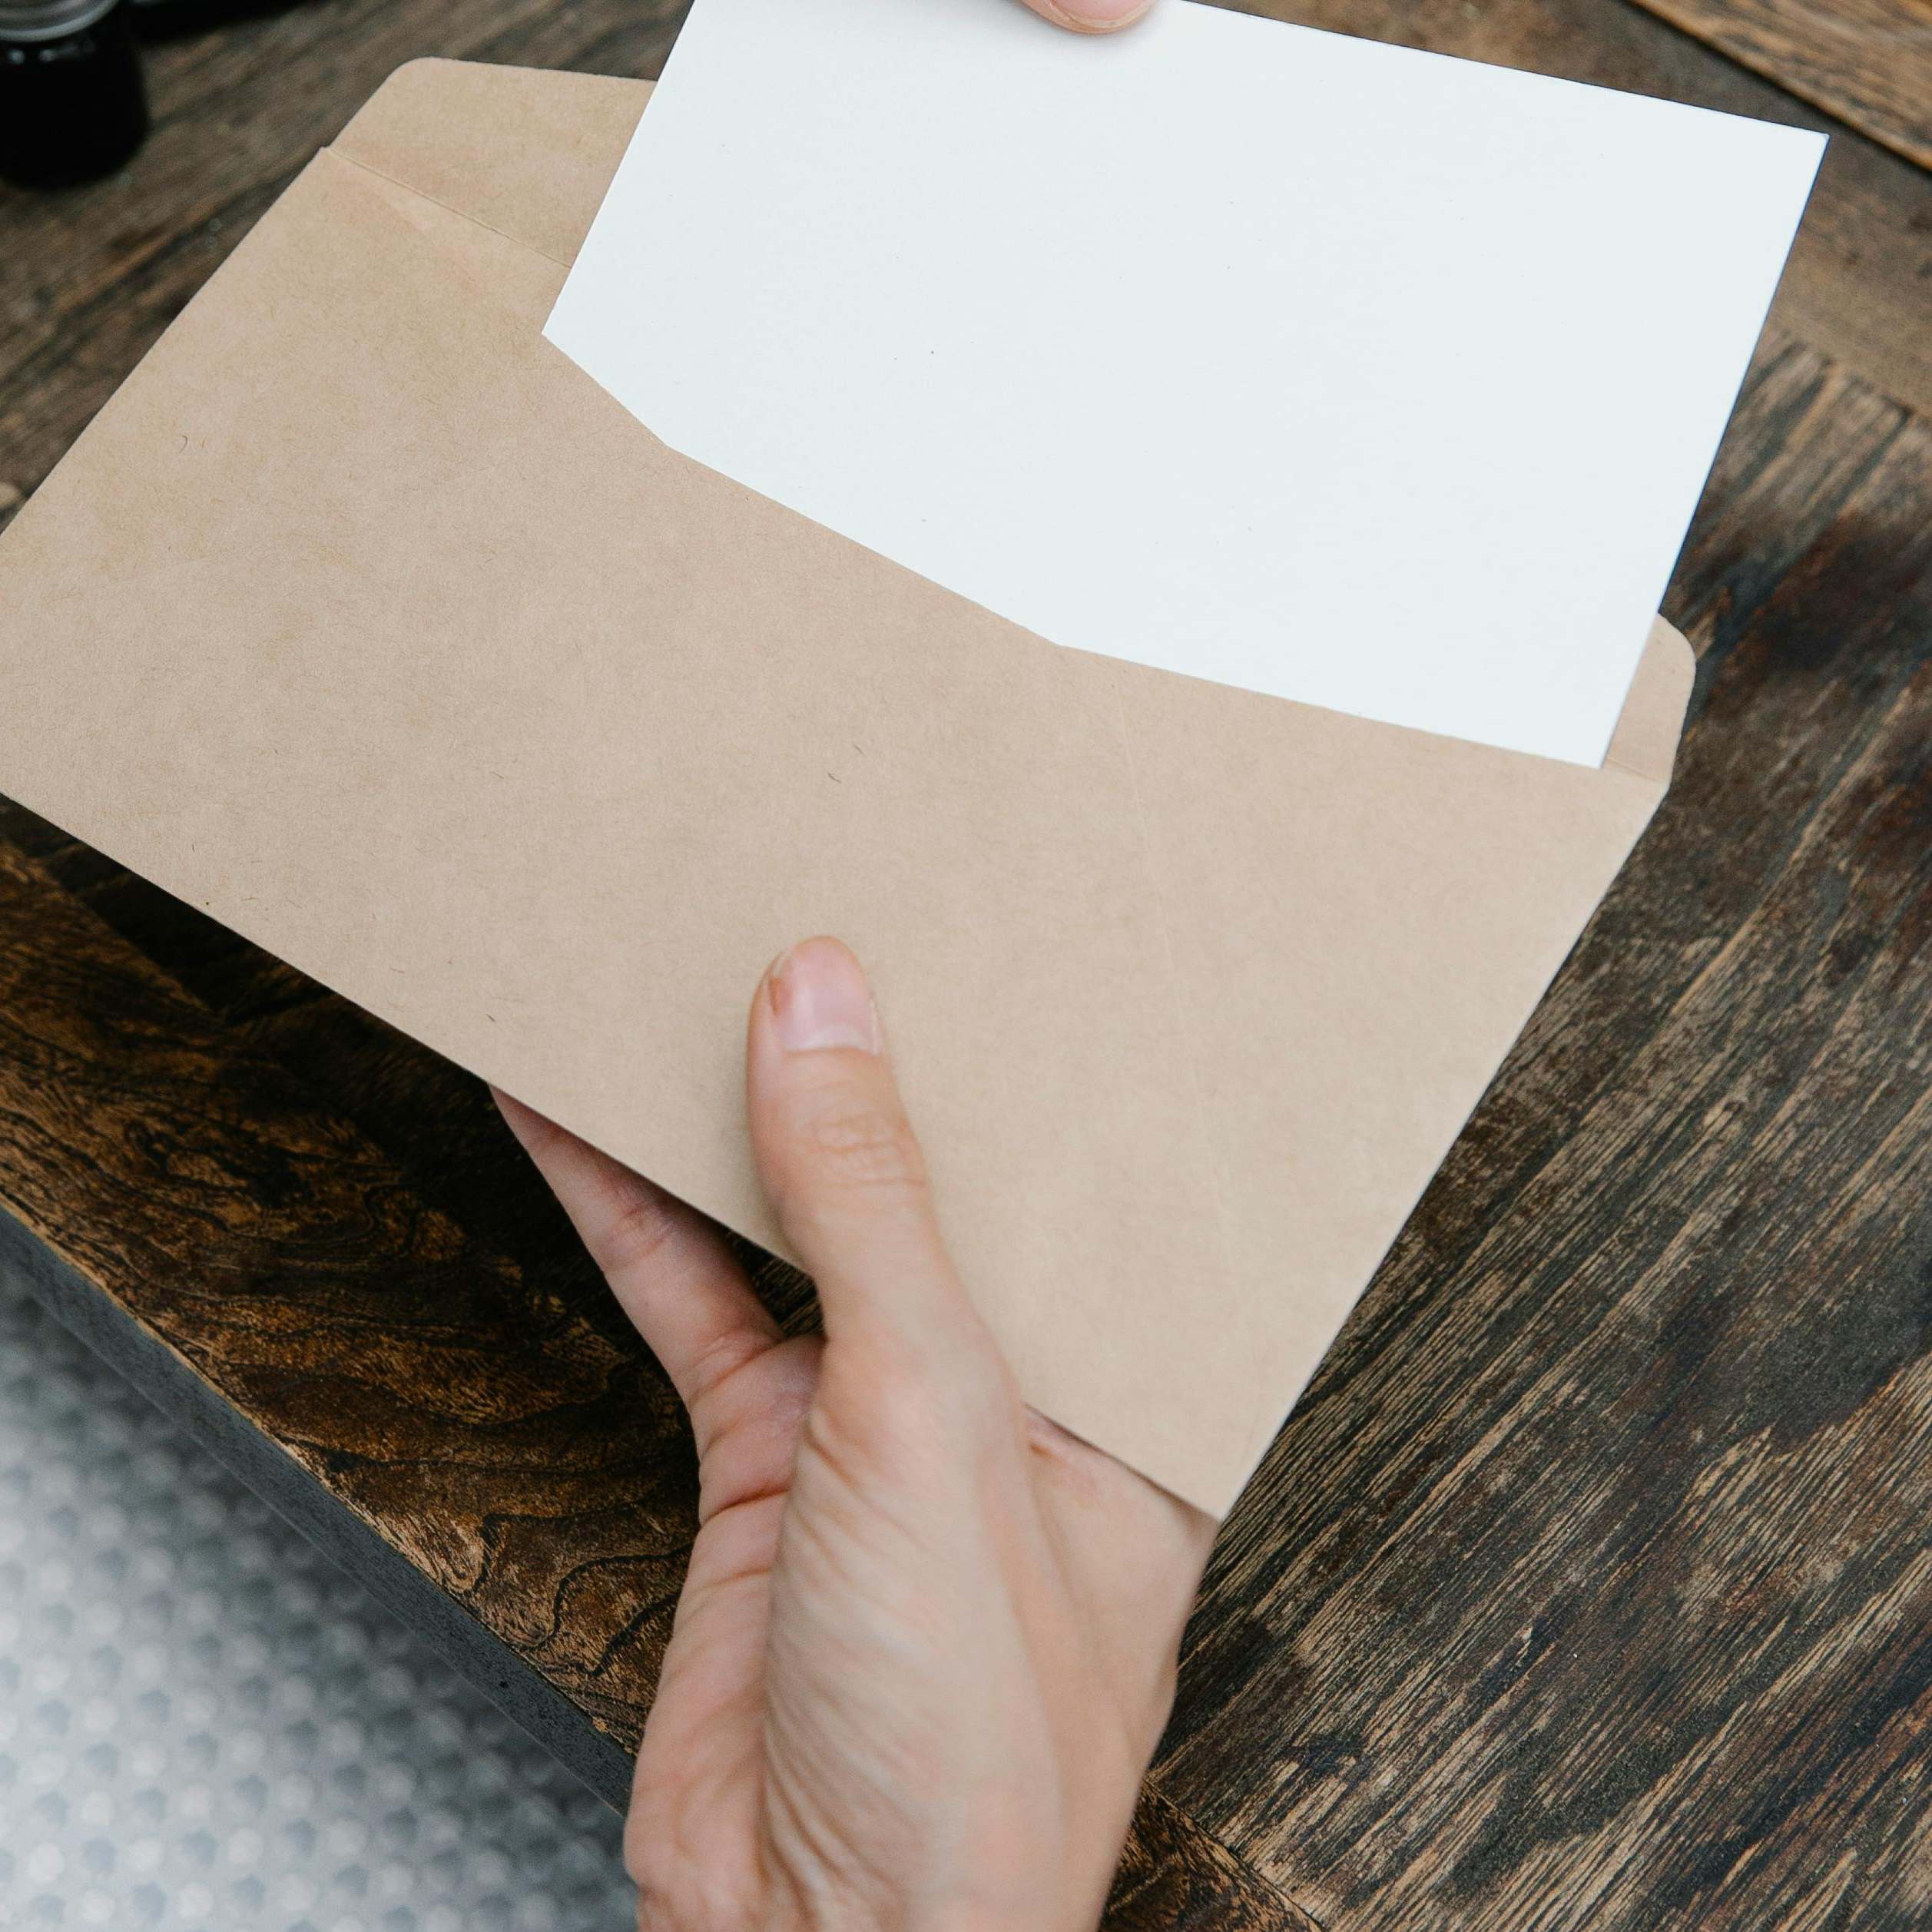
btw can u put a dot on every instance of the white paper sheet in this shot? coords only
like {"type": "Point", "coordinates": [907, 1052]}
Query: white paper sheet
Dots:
{"type": "Point", "coordinates": [1358, 376]}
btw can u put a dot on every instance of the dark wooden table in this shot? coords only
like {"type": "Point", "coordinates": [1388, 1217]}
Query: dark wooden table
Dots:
{"type": "Point", "coordinates": [1591, 1584]}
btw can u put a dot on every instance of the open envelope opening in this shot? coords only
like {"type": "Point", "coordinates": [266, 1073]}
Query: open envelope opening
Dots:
{"type": "Point", "coordinates": [364, 620]}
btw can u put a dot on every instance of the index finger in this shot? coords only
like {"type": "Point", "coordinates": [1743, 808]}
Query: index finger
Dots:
{"type": "Point", "coordinates": [667, 1264]}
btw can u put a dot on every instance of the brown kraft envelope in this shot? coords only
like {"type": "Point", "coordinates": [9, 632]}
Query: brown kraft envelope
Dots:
{"type": "Point", "coordinates": [363, 619]}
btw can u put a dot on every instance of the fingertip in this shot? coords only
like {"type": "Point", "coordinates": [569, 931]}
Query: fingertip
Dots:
{"type": "Point", "coordinates": [817, 998]}
{"type": "Point", "coordinates": [1093, 16]}
{"type": "Point", "coordinates": [818, 1082]}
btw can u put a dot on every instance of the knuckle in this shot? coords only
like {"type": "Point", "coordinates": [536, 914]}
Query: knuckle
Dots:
{"type": "Point", "coordinates": [719, 1360]}
{"type": "Point", "coordinates": [914, 1410]}
{"type": "Point", "coordinates": [639, 1230]}
{"type": "Point", "coordinates": [981, 1396]}
{"type": "Point", "coordinates": [896, 1429]}
{"type": "Point", "coordinates": [854, 1145]}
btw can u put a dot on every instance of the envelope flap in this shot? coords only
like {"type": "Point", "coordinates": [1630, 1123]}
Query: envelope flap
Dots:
{"type": "Point", "coordinates": [526, 153]}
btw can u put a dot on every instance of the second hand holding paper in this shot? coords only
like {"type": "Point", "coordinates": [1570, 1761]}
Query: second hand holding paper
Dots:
{"type": "Point", "coordinates": [1336, 371]}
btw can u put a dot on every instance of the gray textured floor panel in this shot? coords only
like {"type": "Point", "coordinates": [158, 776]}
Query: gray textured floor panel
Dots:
{"type": "Point", "coordinates": [205, 1727]}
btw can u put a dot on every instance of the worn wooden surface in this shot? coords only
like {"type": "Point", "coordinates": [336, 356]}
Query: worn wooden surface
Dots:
{"type": "Point", "coordinates": [1591, 1584]}
{"type": "Point", "coordinates": [1867, 61]}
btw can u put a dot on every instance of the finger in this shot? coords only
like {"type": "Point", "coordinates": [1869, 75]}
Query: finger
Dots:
{"type": "Point", "coordinates": [1092, 16]}
{"type": "Point", "coordinates": [667, 1264]}
{"type": "Point", "coordinates": [837, 1154]}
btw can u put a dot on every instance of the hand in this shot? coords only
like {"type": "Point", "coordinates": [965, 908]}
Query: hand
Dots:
{"type": "Point", "coordinates": [926, 1643]}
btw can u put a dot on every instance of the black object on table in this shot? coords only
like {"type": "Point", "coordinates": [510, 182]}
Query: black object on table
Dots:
{"type": "Point", "coordinates": [72, 106]}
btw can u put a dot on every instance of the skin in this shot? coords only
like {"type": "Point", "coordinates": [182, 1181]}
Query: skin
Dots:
{"type": "Point", "coordinates": [1092, 16]}
{"type": "Point", "coordinates": [926, 1644]}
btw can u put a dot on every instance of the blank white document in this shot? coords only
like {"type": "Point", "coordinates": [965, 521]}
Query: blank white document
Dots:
{"type": "Point", "coordinates": [1364, 377]}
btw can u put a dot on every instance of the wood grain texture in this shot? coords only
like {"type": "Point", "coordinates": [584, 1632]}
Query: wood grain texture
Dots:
{"type": "Point", "coordinates": [1591, 1583]}
{"type": "Point", "coordinates": [1595, 1566]}
{"type": "Point", "coordinates": [519, 1448]}
{"type": "Point", "coordinates": [1867, 61]}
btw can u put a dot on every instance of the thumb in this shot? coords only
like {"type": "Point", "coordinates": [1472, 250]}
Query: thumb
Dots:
{"type": "Point", "coordinates": [838, 1155]}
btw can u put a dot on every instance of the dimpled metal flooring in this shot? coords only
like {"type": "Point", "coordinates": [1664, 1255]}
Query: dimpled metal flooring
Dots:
{"type": "Point", "coordinates": [204, 1727]}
